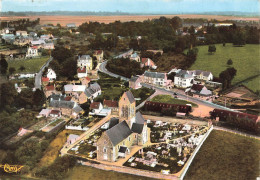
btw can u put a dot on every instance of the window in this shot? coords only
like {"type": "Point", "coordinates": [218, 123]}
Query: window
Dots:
{"type": "Point", "coordinates": [135, 136]}
{"type": "Point", "coordinates": [104, 150]}
{"type": "Point", "coordinates": [124, 143]}
{"type": "Point", "coordinates": [129, 138]}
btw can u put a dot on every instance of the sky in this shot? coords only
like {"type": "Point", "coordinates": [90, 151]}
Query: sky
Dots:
{"type": "Point", "coordinates": [134, 6]}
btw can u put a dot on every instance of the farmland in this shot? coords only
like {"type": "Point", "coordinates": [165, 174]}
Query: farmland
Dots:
{"type": "Point", "coordinates": [63, 20]}
{"type": "Point", "coordinates": [245, 61]}
{"type": "Point", "coordinates": [31, 65]}
{"type": "Point", "coordinates": [226, 156]}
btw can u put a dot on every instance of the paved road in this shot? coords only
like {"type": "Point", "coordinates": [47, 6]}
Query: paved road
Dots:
{"type": "Point", "coordinates": [38, 77]}
{"type": "Point", "coordinates": [103, 69]}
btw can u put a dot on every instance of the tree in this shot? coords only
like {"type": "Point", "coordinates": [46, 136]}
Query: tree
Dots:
{"type": "Point", "coordinates": [176, 22]}
{"type": "Point", "coordinates": [134, 44]}
{"type": "Point", "coordinates": [3, 65]}
{"type": "Point", "coordinates": [11, 70]}
{"type": "Point", "coordinates": [38, 97]}
{"type": "Point", "coordinates": [21, 68]}
{"type": "Point", "coordinates": [61, 54]}
{"type": "Point", "coordinates": [229, 62]}
{"type": "Point", "coordinates": [212, 48]}
{"type": "Point", "coordinates": [239, 39]}
{"type": "Point", "coordinates": [8, 94]}
{"type": "Point", "coordinates": [171, 76]}
{"type": "Point", "coordinates": [226, 77]}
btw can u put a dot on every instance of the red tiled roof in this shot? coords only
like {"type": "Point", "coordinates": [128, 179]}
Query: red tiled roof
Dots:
{"type": "Point", "coordinates": [45, 79]}
{"type": "Point", "coordinates": [144, 60]}
{"type": "Point", "coordinates": [94, 105]}
{"type": "Point", "coordinates": [50, 88]}
{"type": "Point", "coordinates": [158, 107]}
{"type": "Point", "coordinates": [110, 103]}
{"type": "Point", "coordinates": [34, 47]}
{"type": "Point", "coordinates": [87, 78]}
{"type": "Point", "coordinates": [68, 98]}
{"type": "Point", "coordinates": [55, 112]}
{"type": "Point", "coordinates": [81, 70]}
{"type": "Point", "coordinates": [225, 113]}
{"type": "Point", "coordinates": [98, 52]}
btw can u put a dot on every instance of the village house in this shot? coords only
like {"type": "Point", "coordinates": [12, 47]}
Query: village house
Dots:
{"type": "Point", "coordinates": [158, 79]}
{"type": "Point", "coordinates": [98, 109]}
{"type": "Point", "coordinates": [32, 52]}
{"type": "Point", "coordinates": [93, 91]}
{"type": "Point", "coordinates": [85, 81]}
{"type": "Point", "coordinates": [110, 104]}
{"type": "Point", "coordinates": [147, 62]}
{"type": "Point", "coordinates": [51, 75]}
{"type": "Point", "coordinates": [202, 75]}
{"type": "Point", "coordinates": [82, 72]}
{"type": "Point", "coordinates": [183, 79]}
{"type": "Point", "coordinates": [77, 92]}
{"type": "Point", "coordinates": [99, 54]}
{"type": "Point", "coordinates": [71, 25]}
{"type": "Point", "coordinates": [68, 108]}
{"type": "Point", "coordinates": [21, 33]}
{"type": "Point", "coordinates": [55, 113]}
{"type": "Point", "coordinates": [199, 90]}
{"type": "Point", "coordinates": [7, 30]}
{"type": "Point", "coordinates": [128, 130]}
{"type": "Point", "coordinates": [49, 90]}
{"type": "Point", "coordinates": [45, 81]}
{"type": "Point", "coordinates": [49, 45]}
{"type": "Point", "coordinates": [85, 61]}
{"type": "Point", "coordinates": [155, 51]}
{"type": "Point", "coordinates": [39, 43]}
{"type": "Point", "coordinates": [44, 113]}
{"type": "Point", "coordinates": [135, 57]}
{"type": "Point", "coordinates": [135, 82]}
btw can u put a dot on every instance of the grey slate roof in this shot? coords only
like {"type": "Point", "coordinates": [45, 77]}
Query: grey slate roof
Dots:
{"type": "Point", "coordinates": [154, 74]}
{"type": "Point", "coordinates": [113, 122]}
{"type": "Point", "coordinates": [77, 109]}
{"type": "Point", "coordinates": [134, 78]}
{"type": "Point", "coordinates": [92, 89]}
{"type": "Point", "coordinates": [137, 128]}
{"type": "Point", "coordinates": [57, 97]}
{"type": "Point", "coordinates": [183, 74]}
{"type": "Point", "coordinates": [118, 133]}
{"type": "Point", "coordinates": [62, 104]}
{"type": "Point", "coordinates": [130, 96]}
{"type": "Point", "coordinates": [139, 118]}
{"type": "Point", "coordinates": [84, 57]}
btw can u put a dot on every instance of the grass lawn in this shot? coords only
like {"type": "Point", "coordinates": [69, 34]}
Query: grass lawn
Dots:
{"type": "Point", "coordinates": [31, 65]}
{"type": "Point", "coordinates": [57, 121]}
{"type": "Point", "coordinates": [245, 61]}
{"type": "Point", "coordinates": [226, 156]}
{"type": "Point", "coordinates": [84, 172]}
{"type": "Point", "coordinates": [169, 99]}
{"type": "Point", "coordinates": [254, 84]}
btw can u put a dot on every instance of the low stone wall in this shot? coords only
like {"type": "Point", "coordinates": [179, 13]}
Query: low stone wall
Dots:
{"type": "Point", "coordinates": [76, 128]}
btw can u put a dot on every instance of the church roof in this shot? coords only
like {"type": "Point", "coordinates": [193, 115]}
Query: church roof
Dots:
{"type": "Point", "coordinates": [139, 118]}
{"type": "Point", "coordinates": [118, 133]}
{"type": "Point", "coordinates": [137, 128]}
{"type": "Point", "coordinates": [130, 96]}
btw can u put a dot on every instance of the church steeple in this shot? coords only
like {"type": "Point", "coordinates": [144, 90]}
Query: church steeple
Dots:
{"type": "Point", "coordinates": [127, 107]}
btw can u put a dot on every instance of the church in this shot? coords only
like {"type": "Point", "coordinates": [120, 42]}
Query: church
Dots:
{"type": "Point", "coordinates": [127, 130]}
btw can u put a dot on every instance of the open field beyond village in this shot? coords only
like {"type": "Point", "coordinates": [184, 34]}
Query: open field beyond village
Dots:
{"type": "Point", "coordinates": [245, 61]}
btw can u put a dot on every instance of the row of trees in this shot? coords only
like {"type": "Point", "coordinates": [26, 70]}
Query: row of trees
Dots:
{"type": "Point", "coordinates": [125, 67]}
{"type": "Point", "coordinates": [21, 24]}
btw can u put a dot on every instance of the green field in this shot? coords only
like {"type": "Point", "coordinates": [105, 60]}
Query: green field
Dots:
{"type": "Point", "coordinates": [226, 156]}
{"type": "Point", "coordinates": [246, 60]}
{"type": "Point", "coordinates": [253, 84]}
{"type": "Point", "coordinates": [169, 99]}
{"type": "Point", "coordinates": [31, 65]}
{"type": "Point", "coordinates": [84, 172]}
